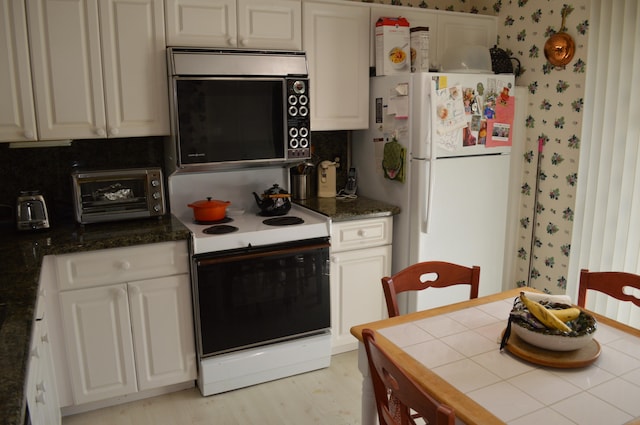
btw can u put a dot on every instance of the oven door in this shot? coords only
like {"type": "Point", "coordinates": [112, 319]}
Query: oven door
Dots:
{"type": "Point", "coordinates": [255, 296]}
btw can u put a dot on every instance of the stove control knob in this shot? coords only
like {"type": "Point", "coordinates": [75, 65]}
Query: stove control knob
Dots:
{"type": "Point", "coordinates": [156, 195]}
{"type": "Point", "coordinates": [155, 183]}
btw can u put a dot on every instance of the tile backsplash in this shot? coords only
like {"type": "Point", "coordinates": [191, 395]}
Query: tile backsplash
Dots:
{"type": "Point", "coordinates": [48, 169]}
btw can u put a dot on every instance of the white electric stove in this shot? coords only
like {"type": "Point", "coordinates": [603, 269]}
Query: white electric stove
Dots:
{"type": "Point", "coordinates": [220, 291]}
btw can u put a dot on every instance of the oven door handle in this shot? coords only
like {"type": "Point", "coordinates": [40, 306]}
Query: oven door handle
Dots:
{"type": "Point", "coordinates": [261, 254]}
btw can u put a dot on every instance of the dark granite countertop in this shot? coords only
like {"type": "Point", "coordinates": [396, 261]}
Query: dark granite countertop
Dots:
{"type": "Point", "coordinates": [21, 256]}
{"type": "Point", "coordinates": [350, 208]}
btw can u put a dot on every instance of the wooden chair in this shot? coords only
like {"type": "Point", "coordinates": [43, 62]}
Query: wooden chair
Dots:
{"type": "Point", "coordinates": [409, 280]}
{"type": "Point", "coordinates": [610, 283]}
{"type": "Point", "coordinates": [397, 394]}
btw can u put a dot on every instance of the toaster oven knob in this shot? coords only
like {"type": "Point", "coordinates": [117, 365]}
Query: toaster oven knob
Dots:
{"type": "Point", "coordinates": [155, 183]}
{"type": "Point", "coordinates": [156, 208]}
{"type": "Point", "coordinates": [156, 195]}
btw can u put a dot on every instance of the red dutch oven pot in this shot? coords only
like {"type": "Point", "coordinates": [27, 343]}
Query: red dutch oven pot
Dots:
{"type": "Point", "coordinates": [209, 209]}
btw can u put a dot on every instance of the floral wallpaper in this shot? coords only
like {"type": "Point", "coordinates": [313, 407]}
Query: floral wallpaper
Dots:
{"type": "Point", "coordinates": [554, 119]}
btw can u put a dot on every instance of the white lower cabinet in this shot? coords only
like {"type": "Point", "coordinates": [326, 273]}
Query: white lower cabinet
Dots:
{"type": "Point", "coordinates": [360, 257]}
{"type": "Point", "coordinates": [42, 396]}
{"type": "Point", "coordinates": [128, 336]}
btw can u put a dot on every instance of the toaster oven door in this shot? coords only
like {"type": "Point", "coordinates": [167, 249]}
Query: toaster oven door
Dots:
{"type": "Point", "coordinates": [118, 196]}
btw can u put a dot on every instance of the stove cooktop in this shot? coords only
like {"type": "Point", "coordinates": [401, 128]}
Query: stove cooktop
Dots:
{"type": "Point", "coordinates": [252, 230]}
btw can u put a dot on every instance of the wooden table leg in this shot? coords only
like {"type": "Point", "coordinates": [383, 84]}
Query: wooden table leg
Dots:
{"type": "Point", "coordinates": [369, 411]}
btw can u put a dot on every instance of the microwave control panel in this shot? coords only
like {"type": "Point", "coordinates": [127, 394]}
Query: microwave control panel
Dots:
{"type": "Point", "coordinates": [298, 118]}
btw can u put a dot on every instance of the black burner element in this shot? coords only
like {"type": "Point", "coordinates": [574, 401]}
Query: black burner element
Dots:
{"type": "Point", "coordinates": [283, 221]}
{"type": "Point", "coordinates": [221, 221]}
{"type": "Point", "coordinates": [219, 229]}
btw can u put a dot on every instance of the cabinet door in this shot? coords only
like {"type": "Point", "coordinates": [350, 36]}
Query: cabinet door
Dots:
{"type": "Point", "coordinates": [356, 292]}
{"type": "Point", "coordinates": [460, 29]}
{"type": "Point", "coordinates": [17, 119]}
{"type": "Point", "coordinates": [162, 331]}
{"type": "Point", "coordinates": [276, 24]}
{"type": "Point", "coordinates": [42, 397]}
{"type": "Point", "coordinates": [67, 74]}
{"type": "Point", "coordinates": [97, 333]}
{"type": "Point", "coordinates": [336, 39]}
{"type": "Point", "coordinates": [204, 23]}
{"type": "Point", "coordinates": [134, 67]}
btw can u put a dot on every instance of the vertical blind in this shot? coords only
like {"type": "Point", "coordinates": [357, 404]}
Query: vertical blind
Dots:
{"type": "Point", "coordinates": [606, 232]}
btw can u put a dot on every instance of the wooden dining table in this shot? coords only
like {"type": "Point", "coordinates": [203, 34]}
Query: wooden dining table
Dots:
{"type": "Point", "coordinates": [454, 353]}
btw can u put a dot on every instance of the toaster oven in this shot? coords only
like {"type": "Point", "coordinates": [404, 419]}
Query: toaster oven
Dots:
{"type": "Point", "coordinates": [112, 195]}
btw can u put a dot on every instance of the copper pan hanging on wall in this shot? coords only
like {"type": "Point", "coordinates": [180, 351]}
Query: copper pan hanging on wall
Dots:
{"type": "Point", "coordinates": [560, 47]}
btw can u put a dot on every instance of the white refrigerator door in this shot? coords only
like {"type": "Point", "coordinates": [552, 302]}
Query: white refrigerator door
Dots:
{"type": "Point", "coordinates": [451, 144]}
{"type": "Point", "coordinates": [467, 224]}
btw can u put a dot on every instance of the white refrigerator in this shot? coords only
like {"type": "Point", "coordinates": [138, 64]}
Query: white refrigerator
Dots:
{"type": "Point", "coordinates": [438, 146]}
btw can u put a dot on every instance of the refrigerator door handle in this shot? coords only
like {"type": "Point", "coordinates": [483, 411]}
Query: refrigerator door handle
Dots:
{"type": "Point", "coordinates": [428, 207]}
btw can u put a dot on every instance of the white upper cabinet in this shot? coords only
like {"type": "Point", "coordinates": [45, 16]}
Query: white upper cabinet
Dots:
{"type": "Point", "coordinates": [249, 24]}
{"type": "Point", "coordinates": [464, 29]}
{"type": "Point", "coordinates": [99, 68]}
{"type": "Point", "coordinates": [134, 67]}
{"type": "Point", "coordinates": [336, 39]}
{"type": "Point", "coordinates": [17, 114]}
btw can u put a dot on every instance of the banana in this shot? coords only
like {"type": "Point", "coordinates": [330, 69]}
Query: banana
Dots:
{"type": "Point", "coordinates": [543, 315]}
{"type": "Point", "coordinates": [566, 314]}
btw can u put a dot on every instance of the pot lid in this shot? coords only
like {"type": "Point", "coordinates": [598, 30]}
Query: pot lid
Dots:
{"type": "Point", "coordinates": [209, 203]}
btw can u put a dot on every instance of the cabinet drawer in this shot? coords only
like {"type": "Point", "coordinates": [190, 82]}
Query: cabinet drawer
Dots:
{"type": "Point", "coordinates": [118, 265]}
{"type": "Point", "coordinates": [361, 233]}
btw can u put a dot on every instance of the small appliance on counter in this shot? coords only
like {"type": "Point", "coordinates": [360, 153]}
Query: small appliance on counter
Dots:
{"type": "Point", "coordinates": [31, 211]}
{"type": "Point", "coordinates": [327, 179]}
{"type": "Point", "coordinates": [302, 181]}
{"type": "Point", "coordinates": [112, 195]}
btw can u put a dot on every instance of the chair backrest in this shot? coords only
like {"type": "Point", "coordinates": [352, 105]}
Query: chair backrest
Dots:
{"type": "Point", "coordinates": [390, 382]}
{"type": "Point", "coordinates": [408, 279]}
{"type": "Point", "coordinates": [610, 283]}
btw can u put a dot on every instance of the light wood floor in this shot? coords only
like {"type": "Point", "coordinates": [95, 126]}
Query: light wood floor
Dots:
{"type": "Point", "coordinates": [329, 396]}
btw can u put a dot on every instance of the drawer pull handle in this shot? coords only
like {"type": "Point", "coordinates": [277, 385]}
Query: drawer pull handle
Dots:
{"type": "Point", "coordinates": [124, 265]}
{"type": "Point", "coordinates": [362, 233]}
{"type": "Point", "coordinates": [334, 259]}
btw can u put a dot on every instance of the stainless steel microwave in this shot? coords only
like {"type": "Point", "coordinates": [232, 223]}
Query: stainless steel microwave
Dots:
{"type": "Point", "coordinates": [112, 195]}
{"type": "Point", "coordinates": [237, 108]}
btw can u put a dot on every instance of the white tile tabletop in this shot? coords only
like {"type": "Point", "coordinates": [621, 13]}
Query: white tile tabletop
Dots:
{"type": "Point", "coordinates": [462, 348]}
